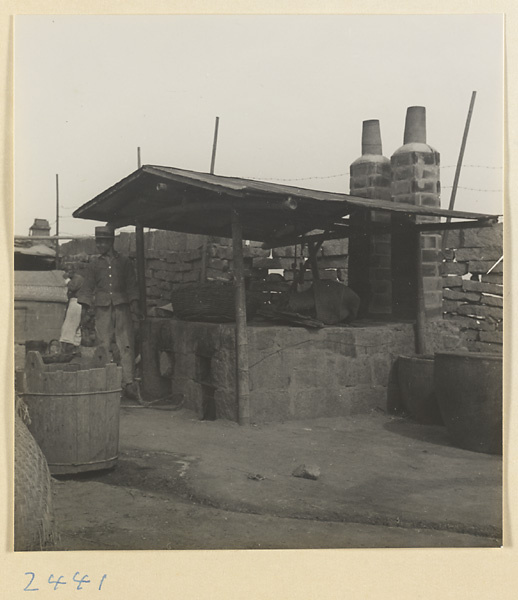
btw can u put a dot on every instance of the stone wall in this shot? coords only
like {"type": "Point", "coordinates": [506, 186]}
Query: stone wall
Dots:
{"type": "Point", "coordinates": [472, 297]}
{"type": "Point", "coordinates": [294, 373]}
{"type": "Point", "coordinates": [176, 259]}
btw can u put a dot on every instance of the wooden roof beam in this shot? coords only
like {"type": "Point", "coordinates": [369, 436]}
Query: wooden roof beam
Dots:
{"type": "Point", "coordinates": [336, 233]}
{"type": "Point", "coordinates": [460, 225]}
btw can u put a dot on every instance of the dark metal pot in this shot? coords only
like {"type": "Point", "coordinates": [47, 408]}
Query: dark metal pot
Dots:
{"type": "Point", "coordinates": [416, 386]}
{"type": "Point", "coordinates": [469, 391]}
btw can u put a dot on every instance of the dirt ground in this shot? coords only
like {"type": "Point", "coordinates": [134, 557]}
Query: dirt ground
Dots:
{"type": "Point", "coordinates": [182, 483]}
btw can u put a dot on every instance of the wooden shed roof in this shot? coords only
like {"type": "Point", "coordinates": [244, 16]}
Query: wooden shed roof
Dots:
{"type": "Point", "coordinates": [193, 202]}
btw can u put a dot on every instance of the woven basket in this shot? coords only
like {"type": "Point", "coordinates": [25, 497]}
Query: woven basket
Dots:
{"type": "Point", "coordinates": [34, 527]}
{"type": "Point", "coordinates": [212, 302]}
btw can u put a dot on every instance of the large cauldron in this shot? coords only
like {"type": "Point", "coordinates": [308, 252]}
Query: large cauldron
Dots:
{"type": "Point", "coordinates": [468, 387]}
{"type": "Point", "coordinates": [415, 376]}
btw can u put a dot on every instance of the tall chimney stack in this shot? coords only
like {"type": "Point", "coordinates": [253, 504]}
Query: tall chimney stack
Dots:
{"type": "Point", "coordinates": [415, 125]}
{"type": "Point", "coordinates": [415, 180]}
{"type": "Point", "coordinates": [369, 272]}
{"type": "Point", "coordinates": [371, 137]}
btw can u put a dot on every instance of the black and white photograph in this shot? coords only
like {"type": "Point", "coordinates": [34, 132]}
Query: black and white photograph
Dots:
{"type": "Point", "coordinates": [258, 282]}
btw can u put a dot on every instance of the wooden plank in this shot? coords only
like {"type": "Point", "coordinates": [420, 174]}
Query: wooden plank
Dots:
{"type": "Point", "coordinates": [33, 371]}
{"type": "Point", "coordinates": [82, 405]}
{"type": "Point", "coordinates": [42, 414]}
{"type": "Point", "coordinates": [34, 383]}
{"type": "Point", "coordinates": [454, 226]}
{"type": "Point", "coordinates": [95, 405]}
{"type": "Point", "coordinates": [70, 409]}
{"type": "Point", "coordinates": [339, 233]}
{"type": "Point", "coordinates": [113, 376]}
{"type": "Point", "coordinates": [53, 382]}
{"type": "Point", "coordinates": [66, 406]}
{"type": "Point", "coordinates": [141, 268]}
{"type": "Point", "coordinates": [62, 367]}
{"type": "Point", "coordinates": [97, 380]}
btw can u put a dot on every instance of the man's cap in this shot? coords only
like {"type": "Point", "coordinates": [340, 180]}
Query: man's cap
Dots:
{"type": "Point", "coordinates": [104, 232]}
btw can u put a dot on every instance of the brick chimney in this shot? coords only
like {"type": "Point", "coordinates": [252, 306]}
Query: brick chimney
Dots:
{"type": "Point", "coordinates": [369, 252]}
{"type": "Point", "coordinates": [415, 180]}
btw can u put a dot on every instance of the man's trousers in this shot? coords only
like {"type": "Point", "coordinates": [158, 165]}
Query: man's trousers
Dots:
{"type": "Point", "coordinates": [115, 321]}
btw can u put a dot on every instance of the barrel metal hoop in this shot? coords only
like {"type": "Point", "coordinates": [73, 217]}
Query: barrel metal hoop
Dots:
{"type": "Point", "coordinates": [59, 394]}
{"type": "Point", "coordinates": [93, 462]}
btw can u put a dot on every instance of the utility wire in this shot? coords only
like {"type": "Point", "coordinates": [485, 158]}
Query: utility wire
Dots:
{"type": "Point", "coordinates": [446, 187]}
{"type": "Point", "coordinates": [470, 166]}
{"type": "Point", "coordinates": [347, 173]}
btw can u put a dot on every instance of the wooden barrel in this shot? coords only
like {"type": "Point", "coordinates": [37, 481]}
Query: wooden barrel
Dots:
{"type": "Point", "coordinates": [74, 415]}
{"type": "Point", "coordinates": [469, 391]}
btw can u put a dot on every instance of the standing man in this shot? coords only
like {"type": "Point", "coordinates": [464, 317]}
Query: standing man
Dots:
{"type": "Point", "coordinates": [111, 288]}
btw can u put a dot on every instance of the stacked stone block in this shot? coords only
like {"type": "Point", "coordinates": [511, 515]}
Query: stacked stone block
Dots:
{"type": "Point", "coordinates": [294, 373]}
{"type": "Point", "coordinates": [472, 297]}
{"type": "Point", "coordinates": [370, 273]}
{"type": "Point", "coordinates": [416, 181]}
{"type": "Point", "coordinates": [332, 261]}
{"type": "Point", "coordinates": [174, 259]}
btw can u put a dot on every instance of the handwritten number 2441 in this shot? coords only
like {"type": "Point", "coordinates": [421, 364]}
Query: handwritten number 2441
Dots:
{"type": "Point", "coordinates": [60, 581]}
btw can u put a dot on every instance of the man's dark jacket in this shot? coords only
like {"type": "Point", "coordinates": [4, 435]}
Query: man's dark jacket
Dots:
{"type": "Point", "coordinates": [109, 280]}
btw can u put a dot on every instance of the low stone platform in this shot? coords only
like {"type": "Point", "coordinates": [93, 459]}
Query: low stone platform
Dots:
{"type": "Point", "coordinates": [295, 373]}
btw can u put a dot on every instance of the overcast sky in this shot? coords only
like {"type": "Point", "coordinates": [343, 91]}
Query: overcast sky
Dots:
{"type": "Point", "coordinates": [291, 93]}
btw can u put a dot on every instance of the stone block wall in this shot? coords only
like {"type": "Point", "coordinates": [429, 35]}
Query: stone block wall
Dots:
{"type": "Point", "coordinates": [35, 320]}
{"type": "Point", "coordinates": [294, 373]}
{"type": "Point", "coordinates": [176, 259]}
{"type": "Point", "coordinates": [171, 258]}
{"type": "Point", "coordinates": [332, 260]}
{"type": "Point", "coordinates": [471, 297]}
{"type": "Point", "coordinates": [476, 306]}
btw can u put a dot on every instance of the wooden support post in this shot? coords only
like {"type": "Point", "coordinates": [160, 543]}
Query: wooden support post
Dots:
{"type": "Point", "coordinates": [204, 247]}
{"type": "Point", "coordinates": [141, 268]}
{"type": "Point", "coordinates": [242, 382]}
{"type": "Point", "coordinates": [57, 222]}
{"type": "Point", "coordinates": [420, 334]}
{"type": "Point", "coordinates": [313, 248]}
{"type": "Point", "coordinates": [152, 385]}
{"type": "Point", "coordinates": [204, 260]}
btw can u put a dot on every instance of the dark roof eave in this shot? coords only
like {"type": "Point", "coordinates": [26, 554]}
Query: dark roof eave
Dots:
{"type": "Point", "coordinates": [248, 190]}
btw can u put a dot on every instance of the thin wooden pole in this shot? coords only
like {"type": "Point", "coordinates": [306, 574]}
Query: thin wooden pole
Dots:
{"type": "Point", "coordinates": [313, 248]}
{"type": "Point", "coordinates": [141, 259]}
{"type": "Point", "coordinates": [242, 378]}
{"type": "Point", "coordinates": [57, 219]}
{"type": "Point", "coordinates": [141, 268]}
{"type": "Point", "coordinates": [204, 257]}
{"type": "Point", "coordinates": [420, 334]}
{"type": "Point", "coordinates": [144, 347]}
{"type": "Point", "coordinates": [214, 146]}
{"type": "Point", "coordinates": [143, 344]}
{"type": "Point", "coordinates": [459, 165]}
